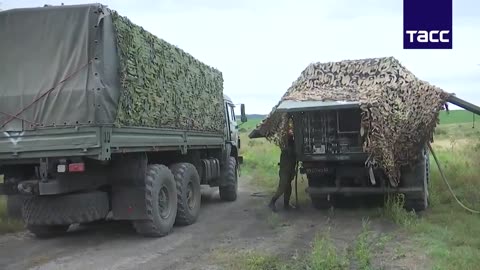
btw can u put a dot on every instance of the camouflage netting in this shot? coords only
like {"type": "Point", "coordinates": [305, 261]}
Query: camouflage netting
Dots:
{"type": "Point", "coordinates": [399, 111]}
{"type": "Point", "coordinates": [162, 85]}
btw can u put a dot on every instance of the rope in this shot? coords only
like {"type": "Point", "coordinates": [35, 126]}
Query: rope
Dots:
{"type": "Point", "coordinates": [19, 118]}
{"type": "Point", "coordinates": [448, 185]}
{"type": "Point", "coordinates": [41, 96]}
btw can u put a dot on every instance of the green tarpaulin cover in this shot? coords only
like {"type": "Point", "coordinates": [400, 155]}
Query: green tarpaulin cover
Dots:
{"type": "Point", "coordinates": [87, 65]}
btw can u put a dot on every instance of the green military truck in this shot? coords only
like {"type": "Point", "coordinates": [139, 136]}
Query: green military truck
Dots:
{"type": "Point", "coordinates": [361, 127]}
{"type": "Point", "coordinates": [100, 119]}
{"type": "Point", "coordinates": [329, 145]}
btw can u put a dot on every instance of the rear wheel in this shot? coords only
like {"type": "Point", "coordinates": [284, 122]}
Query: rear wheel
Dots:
{"type": "Point", "coordinates": [228, 189]}
{"type": "Point", "coordinates": [160, 202]}
{"type": "Point", "coordinates": [418, 176]}
{"type": "Point", "coordinates": [321, 202]}
{"type": "Point", "coordinates": [188, 193]}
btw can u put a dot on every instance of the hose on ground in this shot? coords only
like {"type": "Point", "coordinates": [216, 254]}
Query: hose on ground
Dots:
{"type": "Point", "coordinates": [448, 184]}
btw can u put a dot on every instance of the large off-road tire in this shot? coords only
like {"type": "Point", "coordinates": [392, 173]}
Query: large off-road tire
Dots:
{"type": "Point", "coordinates": [14, 206]}
{"type": "Point", "coordinates": [65, 209]}
{"type": "Point", "coordinates": [189, 195]}
{"type": "Point", "coordinates": [160, 202]}
{"type": "Point", "coordinates": [229, 188]}
{"type": "Point", "coordinates": [320, 202]}
{"type": "Point", "coordinates": [418, 176]}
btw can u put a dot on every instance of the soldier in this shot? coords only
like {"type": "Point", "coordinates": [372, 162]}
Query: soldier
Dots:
{"type": "Point", "coordinates": [286, 173]}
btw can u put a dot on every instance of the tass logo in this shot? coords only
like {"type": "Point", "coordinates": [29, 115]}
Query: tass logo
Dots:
{"type": "Point", "coordinates": [427, 24]}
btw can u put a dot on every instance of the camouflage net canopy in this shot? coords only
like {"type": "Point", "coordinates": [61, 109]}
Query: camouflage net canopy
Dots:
{"type": "Point", "coordinates": [164, 86]}
{"type": "Point", "coordinates": [399, 111]}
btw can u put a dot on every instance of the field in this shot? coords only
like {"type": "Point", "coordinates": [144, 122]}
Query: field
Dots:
{"type": "Point", "coordinates": [447, 233]}
{"type": "Point", "coordinates": [456, 116]}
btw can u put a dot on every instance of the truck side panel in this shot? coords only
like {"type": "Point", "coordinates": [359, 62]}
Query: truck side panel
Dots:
{"type": "Point", "coordinates": [49, 143]}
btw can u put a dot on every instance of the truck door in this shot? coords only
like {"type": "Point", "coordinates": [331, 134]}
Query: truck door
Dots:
{"type": "Point", "coordinates": [233, 124]}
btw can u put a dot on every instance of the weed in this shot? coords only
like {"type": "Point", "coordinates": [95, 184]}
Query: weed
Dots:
{"type": "Point", "coordinates": [363, 249]}
{"type": "Point", "coordinates": [325, 255]}
{"type": "Point", "coordinates": [395, 211]}
{"type": "Point", "coordinates": [8, 225]}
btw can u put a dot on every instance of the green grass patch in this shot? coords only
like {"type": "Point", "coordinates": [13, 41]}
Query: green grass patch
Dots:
{"type": "Point", "coordinates": [363, 250]}
{"type": "Point", "coordinates": [455, 116]}
{"type": "Point", "coordinates": [8, 225]}
{"type": "Point", "coordinates": [323, 256]}
{"type": "Point", "coordinates": [395, 211]}
{"type": "Point", "coordinates": [450, 233]}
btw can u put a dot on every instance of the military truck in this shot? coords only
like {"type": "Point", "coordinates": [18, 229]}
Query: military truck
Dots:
{"type": "Point", "coordinates": [360, 126]}
{"type": "Point", "coordinates": [101, 120]}
{"type": "Point", "coordinates": [329, 145]}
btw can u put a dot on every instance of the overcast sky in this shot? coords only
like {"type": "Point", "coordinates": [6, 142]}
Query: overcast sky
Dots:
{"type": "Point", "coordinates": [262, 46]}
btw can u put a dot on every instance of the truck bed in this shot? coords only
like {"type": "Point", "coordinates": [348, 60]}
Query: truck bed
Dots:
{"type": "Point", "coordinates": [99, 142]}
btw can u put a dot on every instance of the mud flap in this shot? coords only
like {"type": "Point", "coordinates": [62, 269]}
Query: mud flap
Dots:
{"type": "Point", "coordinates": [128, 203]}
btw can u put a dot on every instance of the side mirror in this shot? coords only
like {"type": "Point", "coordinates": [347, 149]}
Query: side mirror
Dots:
{"type": "Point", "coordinates": [242, 112]}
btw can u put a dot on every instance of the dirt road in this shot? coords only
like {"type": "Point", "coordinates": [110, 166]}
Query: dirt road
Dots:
{"type": "Point", "coordinates": [223, 230]}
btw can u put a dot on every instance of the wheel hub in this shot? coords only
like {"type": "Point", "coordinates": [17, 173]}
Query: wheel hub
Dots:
{"type": "Point", "coordinates": [164, 203]}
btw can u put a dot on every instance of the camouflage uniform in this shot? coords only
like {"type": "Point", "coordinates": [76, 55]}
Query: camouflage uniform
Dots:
{"type": "Point", "coordinates": [286, 174]}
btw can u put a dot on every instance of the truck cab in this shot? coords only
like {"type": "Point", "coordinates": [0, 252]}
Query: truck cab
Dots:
{"type": "Point", "coordinates": [232, 136]}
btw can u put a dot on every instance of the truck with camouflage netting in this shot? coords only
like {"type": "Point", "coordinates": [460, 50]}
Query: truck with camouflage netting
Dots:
{"type": "Point", "coordinates": [360, 127]}
{"type": "Point", "coordinates": [100, 119]}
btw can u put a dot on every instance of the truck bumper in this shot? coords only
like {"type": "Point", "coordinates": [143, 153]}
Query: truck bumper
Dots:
{"type": "Point", "coordinates": [361, 190]}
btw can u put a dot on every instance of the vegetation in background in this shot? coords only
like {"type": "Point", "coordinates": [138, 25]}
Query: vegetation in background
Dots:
{"type": "Point", "coordinates": [456, 116]}
{"type": "Point", "coordinates": [7, 224]}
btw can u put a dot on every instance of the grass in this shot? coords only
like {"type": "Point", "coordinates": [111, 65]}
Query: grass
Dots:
{"type": "Point", "coordinates": [455, 116]}
{"type": "Point", "coordinates": [363, 248]}
{"type": "Point", "coordinates": [7, 225]}
{"type": "Point", "coordinates": [448, 233]}
{"type": "Point", "coordinates": [323, 255]}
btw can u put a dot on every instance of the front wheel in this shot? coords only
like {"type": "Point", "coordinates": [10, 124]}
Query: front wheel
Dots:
{"type": "Point", "coordinates": [160, 202]}
{"type": "Point", "coordinates": [228, 189]}
{"type": "Point", "coordinates": [418, 176]}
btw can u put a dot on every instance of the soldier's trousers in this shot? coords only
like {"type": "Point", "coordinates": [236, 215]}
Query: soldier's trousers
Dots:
{"type": "Point", "coordinates": [286, 175]}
